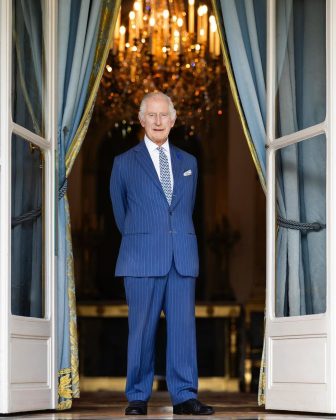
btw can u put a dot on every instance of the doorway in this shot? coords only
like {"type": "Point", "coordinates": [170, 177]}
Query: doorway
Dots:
{"type": "Point", "coordinates": [229, 220]}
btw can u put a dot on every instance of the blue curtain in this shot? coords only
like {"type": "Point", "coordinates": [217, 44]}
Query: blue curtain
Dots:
{"type": "Point", "coordinates": [300, 53]}
{"type": "Point", "coordinates": [242, 29]}
{"type": "Point", "coordinates": [78, 25]}
{"type": "Point", "coordinates": [242, 25]}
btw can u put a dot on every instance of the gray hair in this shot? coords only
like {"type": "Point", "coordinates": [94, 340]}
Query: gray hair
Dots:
{"type": "Point", "coordinates": [142, 110]}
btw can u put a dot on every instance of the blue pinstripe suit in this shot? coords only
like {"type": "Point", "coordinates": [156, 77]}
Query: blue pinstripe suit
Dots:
{"type": "Point", "coordinates": [158, 259]}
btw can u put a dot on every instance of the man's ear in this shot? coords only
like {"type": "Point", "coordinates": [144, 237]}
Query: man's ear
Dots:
{"type": "Point", "coordinates": [142, 122]}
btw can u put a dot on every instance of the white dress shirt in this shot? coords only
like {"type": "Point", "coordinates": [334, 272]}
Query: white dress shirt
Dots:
{"type": "Point", "coordinates": [154, 154]}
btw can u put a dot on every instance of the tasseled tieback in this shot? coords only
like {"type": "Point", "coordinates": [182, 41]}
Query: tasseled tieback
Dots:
{"type": "Point", "coordinates": [34, 214]}
{"type": "Point", "coordinates": [303, 227]}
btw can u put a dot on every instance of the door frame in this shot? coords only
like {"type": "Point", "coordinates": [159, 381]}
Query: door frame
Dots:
{"type": "Point", "coordinates": [293, 396]}
{"type": "Point", "coordinates": [12, 397]}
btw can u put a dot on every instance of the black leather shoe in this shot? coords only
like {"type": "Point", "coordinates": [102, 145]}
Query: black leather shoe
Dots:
{"type": "Point", "coordinates": [136, 408]}
{"type": "Point", "coordinates": [194, 407]}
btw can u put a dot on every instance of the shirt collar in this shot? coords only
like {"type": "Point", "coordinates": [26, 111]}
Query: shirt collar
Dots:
{"type": "Point", "coordinates": [152, 146]}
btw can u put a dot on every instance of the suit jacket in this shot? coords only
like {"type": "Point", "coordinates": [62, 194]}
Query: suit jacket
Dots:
{"type": "Point", "coordinates": [154, 232]}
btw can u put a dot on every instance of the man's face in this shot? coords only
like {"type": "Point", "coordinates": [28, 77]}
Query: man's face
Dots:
{"type": "Point", "coordinates": [157, 121]}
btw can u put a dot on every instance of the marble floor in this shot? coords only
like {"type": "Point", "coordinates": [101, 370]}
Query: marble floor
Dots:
{"type": "Point", "coordinates": [104, 405]}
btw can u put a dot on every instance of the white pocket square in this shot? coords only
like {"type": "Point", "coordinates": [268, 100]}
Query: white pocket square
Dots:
{"type": "Point", "coordinates": [187, 173]}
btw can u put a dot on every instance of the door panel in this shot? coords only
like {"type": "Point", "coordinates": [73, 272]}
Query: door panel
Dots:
{"type": "Point", "coordinates": [307, 353]}
{"type": "Point", "coordinates": [29, 357]}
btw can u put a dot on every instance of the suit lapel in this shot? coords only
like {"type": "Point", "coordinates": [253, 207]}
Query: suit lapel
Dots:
{"type": "Point", "coordinates": [146, 162]}
{"type": "Point", "coordinates": [176, 160]}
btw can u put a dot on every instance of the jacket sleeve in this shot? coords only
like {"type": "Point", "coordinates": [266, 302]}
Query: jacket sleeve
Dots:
{"type": "Point", "coordinates": [195, 183]}
{"type": "Point", "coordinates": [118, 194]}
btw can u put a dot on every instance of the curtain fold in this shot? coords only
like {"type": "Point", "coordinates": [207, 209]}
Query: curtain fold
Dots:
{"type": "Point", "coordinates": [85, 31]}
{"type": "Point", "coordinates": [240, 27]}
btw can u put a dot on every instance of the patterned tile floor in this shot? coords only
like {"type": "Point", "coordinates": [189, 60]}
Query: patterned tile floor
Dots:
{"type": "Point", "coordinates": [104, 405]}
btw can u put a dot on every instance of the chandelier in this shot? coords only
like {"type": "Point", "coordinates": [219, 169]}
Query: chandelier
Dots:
{"type": "Point", "coordinates": [161, 45]}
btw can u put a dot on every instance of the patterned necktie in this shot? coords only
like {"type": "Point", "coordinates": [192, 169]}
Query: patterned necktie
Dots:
{"type": "Point", "coordinates": [165, 174]}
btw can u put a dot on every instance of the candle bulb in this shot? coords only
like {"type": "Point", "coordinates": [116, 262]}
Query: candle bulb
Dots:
{"type": "Point", "coordinates": [212, 40]}
{"type": "Point", "coordinates": [191, 16]}
{"type": "Point", "coordinates": [140, 14]}
{"type": "Point", "coordinates": [122, 32]}
{"type": "Point", "coordinates": [131, 32]}
{"type": "Point", "coordinates": [217, 43]}
{"type": "Point", "coordinates": [213, 29]}
{"type": "Point", "coordinates": [165, 15]}
{"type": "Point", "coordinates": [199, 22]}
{"type": "Point", "coordinates": [180, 22]}
{"type": "Point", "coordinates": [205, 23]}
{"type": "Point", "coordinates": [116, 33]}
{"type": "Point", "coordinates": [136, 7]}
{"type": "Point", "coordinates": [151, 37]}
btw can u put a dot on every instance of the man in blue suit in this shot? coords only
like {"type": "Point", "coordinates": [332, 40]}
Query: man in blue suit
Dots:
{"type": "Point", "coordinates": [153, 188]}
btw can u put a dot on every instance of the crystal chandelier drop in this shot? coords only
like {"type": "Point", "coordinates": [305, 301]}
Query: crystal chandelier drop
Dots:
{"type": "Point", "coordinates": [164, 46]}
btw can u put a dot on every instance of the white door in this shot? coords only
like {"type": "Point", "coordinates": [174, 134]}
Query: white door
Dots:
{"type": "Point", "coordinates": [301, 206]}
{"type": "Point", "coordinates": [27, 205]}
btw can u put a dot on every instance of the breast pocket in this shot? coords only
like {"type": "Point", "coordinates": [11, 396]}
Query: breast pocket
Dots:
{"type": "Point", "coordinates": [188, 181]}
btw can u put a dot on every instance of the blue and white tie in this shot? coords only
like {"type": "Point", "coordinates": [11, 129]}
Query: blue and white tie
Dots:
{"type": "Point", "coordinates": [165, 174]}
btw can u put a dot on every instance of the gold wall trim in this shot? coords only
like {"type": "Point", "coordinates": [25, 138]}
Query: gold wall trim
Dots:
{"type": "Point", "coordinates": [217, 383]}
{"type": "Point", "coordinates": [236, 98]}
{"type": "Point", "coordinates": [121, 311]}
{"type": "Point", "coordinates": [253, 307]}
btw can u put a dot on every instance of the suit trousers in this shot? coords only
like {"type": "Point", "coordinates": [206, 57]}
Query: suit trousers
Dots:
{"type": "Point", "coordinates": [146, 297]}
